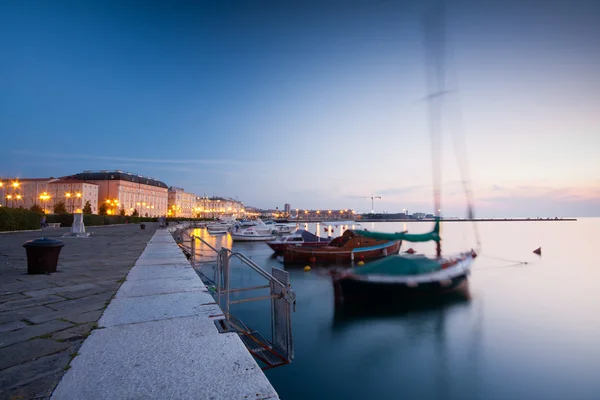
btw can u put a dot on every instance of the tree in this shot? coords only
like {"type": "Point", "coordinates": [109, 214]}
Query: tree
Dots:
{"type": "Point", "coordinates": [102, 209]}
{"type": "Point", "coordinates": [36, 209]}
{"type": "Point", "coordinates": [135, 213]}
{"type": "Point", "coordinates": [122, 212]}
{"type": "Point", "coordinates": [60, 208]}
{"type": "Point", "coordinates": [87, 209]}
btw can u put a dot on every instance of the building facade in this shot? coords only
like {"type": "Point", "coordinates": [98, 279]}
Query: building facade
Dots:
{"type": "Point", "coordinates": [47, 192]}
{"type": "Point", "coordinates": [124, 192]}
{"type": "Point", "coordinates": [181, 203]}
{"type": "Point", "coordinates": [215, 207]}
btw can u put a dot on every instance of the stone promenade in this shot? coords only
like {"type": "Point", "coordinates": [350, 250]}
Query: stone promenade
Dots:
{"type": "Point", "coordinates": [45, 318]}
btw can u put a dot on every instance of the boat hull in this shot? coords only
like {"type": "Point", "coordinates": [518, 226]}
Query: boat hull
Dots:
{"type": "Point", "coordinates": [334, 255]}
{"type": "Point", "coordinates": [279, 248]}
{"type": "Point", "coordinates": [251, 238]}
{"type": "Point", "coordinates": [355, 288]}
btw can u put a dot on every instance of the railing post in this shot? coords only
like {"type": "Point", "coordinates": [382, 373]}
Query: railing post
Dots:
{"type": "Point", "coordinates": [225, 268]}
{"type": "Point", "coordinates": [193, 248]}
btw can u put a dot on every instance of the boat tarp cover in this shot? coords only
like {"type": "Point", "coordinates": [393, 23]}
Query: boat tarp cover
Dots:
{"type": "Point", "coordinates": [309, 237]}
{"type": "Point", "coordinates": [399, 264]}
{"type": "Point", "coordinates": [409, 237]}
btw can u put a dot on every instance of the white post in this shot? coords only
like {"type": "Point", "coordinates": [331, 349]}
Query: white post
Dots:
{"type": "Point", "coordinates": [78, 226]}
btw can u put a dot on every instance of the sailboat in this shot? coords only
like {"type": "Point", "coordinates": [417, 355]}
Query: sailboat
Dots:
{"type": "Point", "coordinates": [401, 277]}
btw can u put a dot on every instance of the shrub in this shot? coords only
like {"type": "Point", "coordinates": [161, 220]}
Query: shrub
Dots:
{"type": "Point", "coordinates": [36, 209]}
{"type": "Point", "coordinates": [18, 219]}
{"type": "Point", "coordinates": [60, 208]}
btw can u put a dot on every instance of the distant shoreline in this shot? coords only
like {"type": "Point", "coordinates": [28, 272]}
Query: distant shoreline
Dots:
{"type": "Point", "coordinates": [445, 220]}
{"type": "Point", "coordinates": [473, 220]}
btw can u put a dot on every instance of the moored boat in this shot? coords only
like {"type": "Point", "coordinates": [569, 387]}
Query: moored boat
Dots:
{"type": "Point", "coordinates": [351, 246]}
{"type": "Point", "coordinates": [402, 277]}
{"type": "Point", "coordinates": [256, 233]}
{"type": "Point", "coordinates": [301, 237]}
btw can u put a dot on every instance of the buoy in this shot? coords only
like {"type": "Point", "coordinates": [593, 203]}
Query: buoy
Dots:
{"type": "Point", "coordinates": [307, 268]}
{"type": "Point", "coordinates": [361, 263]}
{"type": "Point", "coordinates": [538, 251]}
{"type": "Point", "coordinates": [410, 251]}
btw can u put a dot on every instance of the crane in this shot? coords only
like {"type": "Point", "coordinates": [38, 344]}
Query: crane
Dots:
{"type": "Point", "coordinates": [372, 200]}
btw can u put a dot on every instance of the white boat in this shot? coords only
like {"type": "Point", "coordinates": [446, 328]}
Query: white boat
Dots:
{"type": "Point", "coordinates": [221, 225]}
{"type": "Point", "coordinates": [251, 235]}
{"type": "Point", "coordinates": [259, 232]}
{"type": "Point", "coordinates": [280, 228]}
{"type": "Point", "coordinates": [218, 230]}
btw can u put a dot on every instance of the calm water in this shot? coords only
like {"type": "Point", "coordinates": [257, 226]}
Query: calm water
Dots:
{"type": "Point", "coordinates": [529, 331]}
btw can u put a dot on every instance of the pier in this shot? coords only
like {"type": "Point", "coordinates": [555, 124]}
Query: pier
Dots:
{"type": "Point", "coordinates": [125, 316]}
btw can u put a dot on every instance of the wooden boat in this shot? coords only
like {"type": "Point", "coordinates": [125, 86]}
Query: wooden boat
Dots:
{"type": "Point", "coordinates": [301, 237]}
{"type": "Point", "coordinates": [402, 277]}
{"type": "Point", "coordinates": [405, 276]}
{"type": "Point", "coordinates": [343, 249]}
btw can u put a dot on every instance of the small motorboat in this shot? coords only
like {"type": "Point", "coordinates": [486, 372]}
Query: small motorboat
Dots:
{"type": "Point", "coordinates": [343, 249]}
{"type": "Point", "coordinates": [221, 225]}
{"type": "Point", "coordinates": [300, 237]}
{"type": "Point", "coordinates": [257, 233]}
{"type": "Point", "coordinates": [221, 230]}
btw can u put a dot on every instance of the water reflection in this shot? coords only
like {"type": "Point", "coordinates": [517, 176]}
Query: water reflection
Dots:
{"type": "Point", "coordinates": [345, 315]}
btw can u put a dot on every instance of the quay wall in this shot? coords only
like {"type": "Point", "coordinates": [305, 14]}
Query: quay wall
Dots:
{"type": "Point", "coordinates": [157, 340]}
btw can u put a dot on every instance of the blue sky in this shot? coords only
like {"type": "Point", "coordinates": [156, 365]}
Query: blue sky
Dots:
{"type": "Point", "coordinates": [314, 103]}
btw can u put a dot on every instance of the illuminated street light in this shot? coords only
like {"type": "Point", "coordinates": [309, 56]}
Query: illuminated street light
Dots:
{"type": "Point", "coordinates": [44, 197]}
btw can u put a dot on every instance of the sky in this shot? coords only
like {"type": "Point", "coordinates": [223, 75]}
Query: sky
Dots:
{"type": "Point", "coordinates": [320, 104]}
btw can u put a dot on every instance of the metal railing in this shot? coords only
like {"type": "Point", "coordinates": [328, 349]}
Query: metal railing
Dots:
{"type": "Point", "coordinates": [280, 349]}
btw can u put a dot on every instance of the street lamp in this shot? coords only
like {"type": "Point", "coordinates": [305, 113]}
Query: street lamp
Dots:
{"type": "Point", "coordinates": [9, 197]}
{"type": "Point", "coordinates": [68, 195]}
{"type": "Point", "coordinates": [44, 197]}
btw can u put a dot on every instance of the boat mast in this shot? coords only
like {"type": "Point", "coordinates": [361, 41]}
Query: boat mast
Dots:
{"type": "Point", "coordinates": [434, 27]}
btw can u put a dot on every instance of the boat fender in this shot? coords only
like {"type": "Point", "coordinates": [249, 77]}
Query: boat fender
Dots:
{"type": "Point", "coordinates": [307, 268]}
{"type": "Point", "coordinates": [410, 251]}
{"type": "Point", "coordinates": [412, 284]}
{"type": "Point", "coordinates": [361, 263]}
{"type": "Point", "coordinates": [384, 252]}
{"type": "Point", "coordinates": [445, 282]}
{"type": "Point", "coordinates": [312, 260]}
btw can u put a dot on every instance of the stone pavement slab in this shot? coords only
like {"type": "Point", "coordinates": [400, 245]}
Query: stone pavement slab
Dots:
{"type": "Point", "coordinates": [45, 318]}
{"type": "Point", "coordinates": [183, 358]}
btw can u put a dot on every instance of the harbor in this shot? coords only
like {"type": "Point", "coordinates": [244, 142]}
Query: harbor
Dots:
{"type": "Point", "coordinates": [462, 347]}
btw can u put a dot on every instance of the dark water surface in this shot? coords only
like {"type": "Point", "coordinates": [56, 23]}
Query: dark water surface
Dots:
{"type": "Point", "coordinates": [528, 331]}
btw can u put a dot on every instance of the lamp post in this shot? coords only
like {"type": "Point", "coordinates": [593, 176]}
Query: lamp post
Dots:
{"type": "Point", "coordinates": [12, 202]}
{"type": "Point", "coordinates": [44, 197]}
{"type": "Point", "coordinates": [78, 195]}
{"type": "Point", "coordinates": [68, 196]}
{"type": "Point", "coordinates": [15, 186]}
